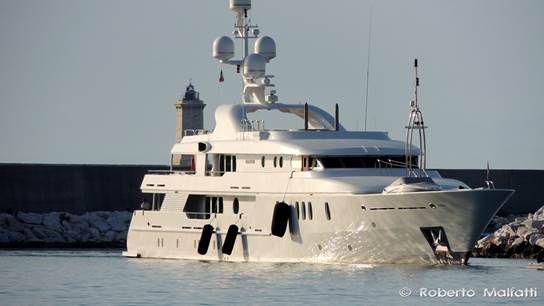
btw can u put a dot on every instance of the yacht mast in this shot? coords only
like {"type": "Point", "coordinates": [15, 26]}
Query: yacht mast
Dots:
{"type": "Point", "coordinates": [415, 122]}
{"type": "Point", "coordinates": [253, 65]}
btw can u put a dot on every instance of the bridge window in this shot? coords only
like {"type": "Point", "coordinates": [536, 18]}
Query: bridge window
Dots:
{"type": "Point", "coordinates": [335, 162]}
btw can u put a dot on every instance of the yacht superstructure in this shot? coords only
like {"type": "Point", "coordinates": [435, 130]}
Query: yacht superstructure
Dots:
{"type": "Point", "coordinates": [318, 193]}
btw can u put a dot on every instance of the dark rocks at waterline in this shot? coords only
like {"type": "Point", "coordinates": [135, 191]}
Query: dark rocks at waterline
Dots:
{"type": "Point", "coordinates": [62, 229]}
{"type": "Point", "coordinates": [523, 237]}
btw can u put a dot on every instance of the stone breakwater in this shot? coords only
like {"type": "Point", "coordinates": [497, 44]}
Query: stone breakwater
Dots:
{"type": "Point", "coordinates": [62, 229]}
{"type": "Point", "coordinates": [522, 237]}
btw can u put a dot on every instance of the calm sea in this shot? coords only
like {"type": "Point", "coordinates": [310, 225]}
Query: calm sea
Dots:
{"type": "Point", "coordinates": [106, 278]}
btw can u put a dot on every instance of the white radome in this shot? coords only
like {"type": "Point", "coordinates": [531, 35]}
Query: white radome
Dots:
{"type": "Point", "coordinates": [266, 46]}
{"type": "Point", "coordinates": [239, 5]}
{"type": "Point", "coordinates": [223, 48]}
{"type": "Point", "coordinates": [254, 66]}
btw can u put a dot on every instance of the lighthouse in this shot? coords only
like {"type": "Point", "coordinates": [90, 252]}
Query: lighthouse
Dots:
{"type": "Point", "coordinates": [189, 118]}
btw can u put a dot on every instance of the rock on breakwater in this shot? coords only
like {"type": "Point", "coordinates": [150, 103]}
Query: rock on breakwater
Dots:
{"type": "Point", "coordinates": [521, 238]}
{"type": "Point", "coordinates": [62, 229]}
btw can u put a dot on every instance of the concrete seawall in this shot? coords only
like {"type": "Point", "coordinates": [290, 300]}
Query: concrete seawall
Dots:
{"type": "Point", "coordinates": [78, 189]}
{"type": "Point", "coordinates": [75, 189]}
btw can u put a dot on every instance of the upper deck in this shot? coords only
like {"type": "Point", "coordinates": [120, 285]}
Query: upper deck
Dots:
{"type": "Point", "coordinates": [235, 134]}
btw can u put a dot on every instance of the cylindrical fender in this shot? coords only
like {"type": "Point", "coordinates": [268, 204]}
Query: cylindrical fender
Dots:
{"type": "Point", "coordinates": [228, 244]}
{"type": "Point", "coordinates": [280, 218]}
{"type": "Point", "coordinates": [205, 238]}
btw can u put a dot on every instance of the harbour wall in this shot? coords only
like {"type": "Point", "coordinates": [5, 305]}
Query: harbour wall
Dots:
{"type": "Point", "coordinates": [78, 189]}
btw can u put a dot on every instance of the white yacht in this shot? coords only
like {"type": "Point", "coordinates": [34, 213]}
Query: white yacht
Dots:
{"type": "Point", "coordinates": [318, 193]}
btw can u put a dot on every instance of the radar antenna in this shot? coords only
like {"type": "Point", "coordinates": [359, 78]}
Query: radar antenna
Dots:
{"type": "Point", "coordinates": [415, 122]}
{"type": "Point", "coordinates": [252, 64]}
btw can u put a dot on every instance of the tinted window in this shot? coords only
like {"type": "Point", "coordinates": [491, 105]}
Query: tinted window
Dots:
{"type": "Point", "coordinates": [214, 205]}
{"type": "Point", "coordinates": [364, 161]}
{"type": "Point", "coordinates": [228, 163]}
{"type": "Point", "coordinates": [235, 206]}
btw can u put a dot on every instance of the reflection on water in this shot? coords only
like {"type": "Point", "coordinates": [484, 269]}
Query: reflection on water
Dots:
{"type": "Point", "coordinates": [106, 278]}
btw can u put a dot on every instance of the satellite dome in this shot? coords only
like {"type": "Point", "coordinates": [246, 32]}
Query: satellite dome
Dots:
{"type": "Point", "coordinates": [266, 47]}
{"type": "Point", "coordinates": [239, 5]}
{"type": "Point", "coordinates": [254, 66]}
{"type": "Point", "coordinates": [223, 48]}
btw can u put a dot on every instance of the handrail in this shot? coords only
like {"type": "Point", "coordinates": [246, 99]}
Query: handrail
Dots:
{"type": "Point", "coordinates": [251, 125]}
{"type": "Point", "coordinates": [389, 162]}
{"type": "Point", "coordinates": [167, 172]}
{"type": "Point", "coordinates": [193, 132]}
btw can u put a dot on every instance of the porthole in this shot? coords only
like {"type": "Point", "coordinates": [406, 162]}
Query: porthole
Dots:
{"type": "Point", "coordinates": [432, 205]}
{"type": "Point", "coordinates": [275, 161]}
{"type": "Point", "coordinates": [262, 161]}
{"type": "Point", "coordinates": [310, 212]}
{"type": "Point", "coordinates": [281, 161]}
{"type": "Point", "coordinates": [235, 206]}
{"type": "Point", "coordinates": [327, 211]}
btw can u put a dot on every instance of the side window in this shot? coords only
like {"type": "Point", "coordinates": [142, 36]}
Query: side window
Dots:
{"type": "Point", "coordinates": [235, 206]}
{"type": "Point", "coordinates": [310, 212]}
{"type": "Point", "coordinates": [308, 163]}
{"type": "Point", "coordinates": [207, 208]}
{"type": "Point", "coordinates": [221, 164]}
{"type": "Point", "coordinates": [214, 205]}
{"type": "Point", "coordinates": [220, 205]}
{"type": "Point", "coordinates": [228, 164]}
{"type": "Point", "coordinates": [281, 161]}
{"type": "Point", "coordinates": [263, 160]}
{"type": "Point", "coordinates": [275, 161]}
{"type": "Point", "coordinates": [327, 211]}
{"type": "Point", "coordinates": [298, 210]}
{"type": "Point", "coordinates": [303, 211]}
{"type": "Point", "coordinates": [233, 163]}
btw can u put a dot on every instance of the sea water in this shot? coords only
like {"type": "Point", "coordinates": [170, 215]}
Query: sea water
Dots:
{"type": "Point", "coordinates": [106, 278]}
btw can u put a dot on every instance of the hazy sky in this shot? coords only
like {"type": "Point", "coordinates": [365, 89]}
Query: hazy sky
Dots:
{"type": "Point", "coordinates": [96, 81]}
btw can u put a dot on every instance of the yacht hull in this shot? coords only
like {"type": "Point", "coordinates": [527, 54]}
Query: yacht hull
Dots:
{"type": "Point", "coordinates": [356, 228]}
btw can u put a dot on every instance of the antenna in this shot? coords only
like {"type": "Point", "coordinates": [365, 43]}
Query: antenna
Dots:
{"type": "Point", "coordinates": [252, 65]}
{"type": "Point", "coordinates": [368, 61]}
{"type": "Point", "coordinates": [489, 183]}
{"type": "Point", "coordinates": [415, 122]}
